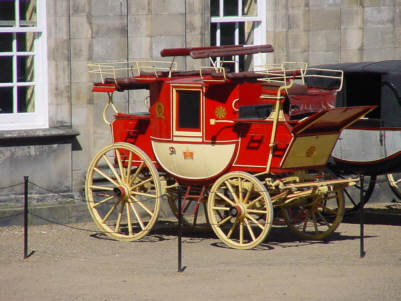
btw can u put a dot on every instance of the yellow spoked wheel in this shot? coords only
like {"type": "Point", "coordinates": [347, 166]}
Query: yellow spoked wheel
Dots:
{"type": "Point", "coordinates": [123, 192]}
{"type": "Point", "coordinates": [240, 210]}
{"type": "Point", "coordinates": [316, 218]}
{"type": "Point", "coordinates": [394, 181]}
{"type": "Point", "coordinates": [194, 213]}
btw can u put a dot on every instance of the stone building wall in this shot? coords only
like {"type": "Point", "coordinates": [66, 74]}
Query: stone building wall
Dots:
{"type": "Point", "coordinates": [322, 31]}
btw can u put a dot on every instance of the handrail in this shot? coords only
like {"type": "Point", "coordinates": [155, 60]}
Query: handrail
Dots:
{"type": "Point", "coordinates": [131, 68]}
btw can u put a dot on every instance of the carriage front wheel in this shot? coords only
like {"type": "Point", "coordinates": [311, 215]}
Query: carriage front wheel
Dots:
{"type": "Point", "coordinates": [240, 210]}
{"type": "Point", "coordinates": [123, 191]}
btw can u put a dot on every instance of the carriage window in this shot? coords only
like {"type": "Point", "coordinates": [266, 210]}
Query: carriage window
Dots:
{"type": "Point", "coordinates": [188, 103]}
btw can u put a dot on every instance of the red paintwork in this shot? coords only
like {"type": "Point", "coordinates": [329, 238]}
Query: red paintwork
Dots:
{"type": "Point", "coordinates": [252, 137]}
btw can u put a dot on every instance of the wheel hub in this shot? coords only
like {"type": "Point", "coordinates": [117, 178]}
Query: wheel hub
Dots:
{"type": "Point", "coordinates": [237, 211]}
{"type": "Point", "coordinates": [122, 192]}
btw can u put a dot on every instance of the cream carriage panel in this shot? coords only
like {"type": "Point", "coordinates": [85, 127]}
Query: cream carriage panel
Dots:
{"type": "Point", "coordinates": [193, 161]}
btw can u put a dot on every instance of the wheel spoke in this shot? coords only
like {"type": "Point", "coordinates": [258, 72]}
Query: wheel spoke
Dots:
{"type": "Point", "coordinates": [220, 208]}
{"type": "Point", "coordinates": [314, 222]}
{"type": "Point", "coordinates": [323, 219]}
{"type": "Point", "coordinates": [129, 219]}
{"type": "Point", "coordinates": [223, 221]}
{"type": "Point", "coordinates": [106, 217]}
{"type": "Point", "coordinates": [127, 176]}
{"type": "Point", "coordinates": [225, 198]}
{"type": "Point", "coordinates": [138, 170]}
{"type": "Point", "coordinates": [228, 184]}
{"type": "Point", "coordinates": [142, 183]}
{"type": "Point", "coordinates": [137, 201]}
{"type": "Point", "coordinates": [257, 211]}
{"type": "Point", "coordinates": [248, 194]}
{"type": "Point", "coordinates": [250, 229]}
{"type": "Point", "coordinates": [120, 214]}
{"type": "Point", "coordinates": [106, 176]}
{"type": "Point", "coordinates": [145, 194]}
{"type": "Point", "coordinates": [241, 232]}
{"type": "Point", "coordinates": [137, 215]}
{"type": "Point", "coordinates": [232, 229]}
{"type": "Point", "coordinates": [103, 201]}
{"type": "Point", "coordinates": [240, 190]}
{"type": "Point", "coordinates": [94, 187]}
{"type": "Point", "coordinates": [113, 170]}
{"type": "Point", "coordinates": [254, 201]}
{"type": "Point", "coordinates": [255, 221]}
{"type": "Point", "coordinates": [120, 164]}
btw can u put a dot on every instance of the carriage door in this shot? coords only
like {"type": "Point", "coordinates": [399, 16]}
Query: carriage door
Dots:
{"type": "Point", "coordinates": [187, 127]}
{"type": "Point", "coordinates": [188, 113]}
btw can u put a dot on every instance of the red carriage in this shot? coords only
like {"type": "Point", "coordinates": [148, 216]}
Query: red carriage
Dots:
{"type": "Point", "coordinates": [249, 148]}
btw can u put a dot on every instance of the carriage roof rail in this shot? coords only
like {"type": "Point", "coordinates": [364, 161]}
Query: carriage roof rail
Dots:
{"type": "Point", "coordinates": [216, 51]}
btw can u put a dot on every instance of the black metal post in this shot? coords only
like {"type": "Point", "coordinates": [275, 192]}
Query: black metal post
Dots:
{"type": "Point", "coordinates": [180, 269]}
{"type": "Point", "coordinates": [26, 217]}
{"type": "Point", "coordinates": [361, 221]}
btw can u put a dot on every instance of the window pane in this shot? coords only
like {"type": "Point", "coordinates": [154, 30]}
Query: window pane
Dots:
{"type": "Point", "coordinates": [6, 100]}
{"type": "Point", "coordinates": [6, 74]}
{"type": "Point", "coordinates": [230, 7]}
{"type": "Point", "coordinates": [250, 8]}
{"type": "Point", "coordinates": [7, 13]}
{"type": "Point", "coordinates": [26, 99]}
{"type": "Point", "coordinates": [25, 41]}
{"type": "Point", "coordinates": [25, 68]}
{"type": "Point", "coordinates": [6, 42]}
{"type": "Point", "coordinates": [189, 109]}
{"type": "Point", "coordinates": [27, 11]}
{"type": "Point", "coordinates": [214, 8]}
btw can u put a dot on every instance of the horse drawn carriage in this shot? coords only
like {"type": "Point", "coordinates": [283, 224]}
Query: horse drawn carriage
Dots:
{"type": "Point", "coordinates": [248, 148]}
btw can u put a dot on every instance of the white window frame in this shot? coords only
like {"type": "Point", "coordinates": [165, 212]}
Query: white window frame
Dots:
{"type": "Point", "coordinates": [39, 118]}
{"type": "Point", "coordinates": [259, 31]}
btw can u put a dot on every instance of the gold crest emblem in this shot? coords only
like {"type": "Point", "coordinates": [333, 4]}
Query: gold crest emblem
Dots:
{"type": "Point", "coordinates": [220, 112]}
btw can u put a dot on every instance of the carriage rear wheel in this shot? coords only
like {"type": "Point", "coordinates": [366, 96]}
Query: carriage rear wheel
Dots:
{"type": "Point", "coordinates": [394, 181]}
{"type": "Point", "coordinates": [240, 210]}
{"type": "Point", "coordinates": [315, 218]}
{"type": "Point", "coordinates": [123, 192]}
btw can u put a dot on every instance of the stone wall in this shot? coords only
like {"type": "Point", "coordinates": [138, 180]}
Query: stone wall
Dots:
{"type": "Point", "coordinates": [321, 31]}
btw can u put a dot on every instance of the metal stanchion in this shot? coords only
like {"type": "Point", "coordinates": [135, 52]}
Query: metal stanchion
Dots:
{"type": "Point", "coordinates": [361, 221]}
{"type": "Point", "coordinates": [180, 268]}
{"type": "Point", "coordinates": [26, 217]}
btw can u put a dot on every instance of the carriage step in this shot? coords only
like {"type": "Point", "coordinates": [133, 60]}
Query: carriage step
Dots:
{"type": "Point", "coordinates": [197, 197]}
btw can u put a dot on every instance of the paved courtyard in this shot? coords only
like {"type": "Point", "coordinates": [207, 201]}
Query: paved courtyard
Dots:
{"type": "Point", "coordinates": [75, 262]}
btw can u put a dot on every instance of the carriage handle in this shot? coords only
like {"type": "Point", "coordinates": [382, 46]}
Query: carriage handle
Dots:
{"type": "Point", "coordinates": [108, 105]}
{"type": "Point", "coordinates": [275, 122]}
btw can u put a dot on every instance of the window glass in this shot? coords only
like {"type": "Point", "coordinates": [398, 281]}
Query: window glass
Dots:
{"type": "Point", "coordinates": [6, 40]}
{"type": "Point", "coordinates": [231, 7]}
{"type": "Point", "coordinates": [25, 68]}
{"type": "Point", "coordinates": [7, 13]}
{"type": "Point", "coordinates": [25, 41]}
{"type": "Point", "coordinates": [26, 99]}
{"type": "Point", "coordinates": [189, 109]}
{"type": "Point", "coordinates": [6, 103]}
{"type": "Point", "coordinates": [6, 74]}
{"type": "Point", "coordinates": [214, 8]}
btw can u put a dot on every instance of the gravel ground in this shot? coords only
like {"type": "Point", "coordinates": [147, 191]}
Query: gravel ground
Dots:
{"type": "Point", "coordinates": [75, 262]}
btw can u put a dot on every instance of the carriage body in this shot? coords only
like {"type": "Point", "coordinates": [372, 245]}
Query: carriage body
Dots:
{"type": "Point", "coordinates": [198, 127]}
{"type": "Point", "coordinates": [245, 142]}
